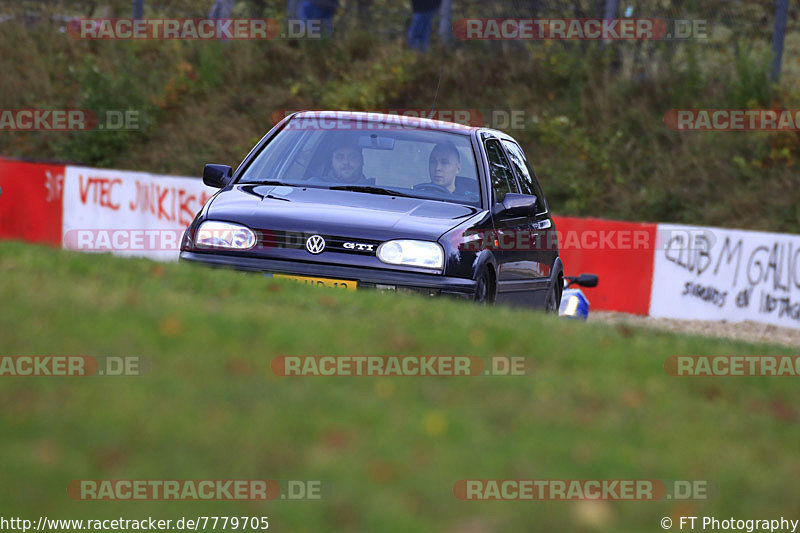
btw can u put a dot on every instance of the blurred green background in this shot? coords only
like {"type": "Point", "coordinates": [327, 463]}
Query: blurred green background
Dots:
{"type": "Point", "coordinates": [593, 116]}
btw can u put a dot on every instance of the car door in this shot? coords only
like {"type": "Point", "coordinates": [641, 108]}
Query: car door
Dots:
{"type": "Point", "coordinates": [545, 250]}
{"type": "Point", "coordinates": [516, 274]}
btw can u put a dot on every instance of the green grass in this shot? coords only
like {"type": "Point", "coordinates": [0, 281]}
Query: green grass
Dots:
{"type": "Point", "coordinates": [598, 404]}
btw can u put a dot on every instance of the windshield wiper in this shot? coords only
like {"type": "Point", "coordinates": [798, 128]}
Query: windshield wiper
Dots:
{"type": "Point", "coordinates": [369, 189]}
{"type": "Point", "coordinates": [261, 182]}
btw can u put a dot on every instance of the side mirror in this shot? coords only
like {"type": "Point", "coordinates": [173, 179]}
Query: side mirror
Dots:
{"type": "Point", "coordinates": [519, 204]}
{"type": "Point", "coordinates": [584, 280]}
{"type": "Point", "coordinates": [217, 176]}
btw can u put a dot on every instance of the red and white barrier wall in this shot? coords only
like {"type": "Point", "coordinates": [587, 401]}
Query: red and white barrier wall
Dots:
{"type": "Point", "coordinates": [620, 253]}
{"type": "Point", "coordinates": [30, 201]}
{"type": "Point", "coordinates": [662, 270]}
{"type": "Point", "coordinates": [722, 274]}
{"type": "Point", "coordinates": [154, 210]}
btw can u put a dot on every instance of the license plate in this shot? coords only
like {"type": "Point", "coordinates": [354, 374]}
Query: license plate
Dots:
{"type": "Point", "coordinates": [321, 282]}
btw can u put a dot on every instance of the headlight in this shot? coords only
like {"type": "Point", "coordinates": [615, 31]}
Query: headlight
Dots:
{"type": "Point", "coordinates": [215, 234]}
{"type": "Point", "coordinates": [412, 253]}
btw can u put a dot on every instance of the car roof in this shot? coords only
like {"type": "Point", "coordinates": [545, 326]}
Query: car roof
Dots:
{"type": "Point", "coordinates": [484, 132]}
{"type": "Point", "coordinates": [386, 118]}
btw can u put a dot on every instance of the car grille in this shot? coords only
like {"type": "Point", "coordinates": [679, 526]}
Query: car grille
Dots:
{"type": "Point", "coordinates": [333, 243]}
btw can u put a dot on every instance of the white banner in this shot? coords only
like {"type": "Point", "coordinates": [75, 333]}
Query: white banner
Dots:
{"type": "Point", "coordinates": [129, 213]}
{"type": "Point", "coordinates": [719, 274]}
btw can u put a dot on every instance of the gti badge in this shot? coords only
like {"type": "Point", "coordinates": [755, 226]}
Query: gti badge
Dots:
{"type": "Point", "coordinates": [315, 244]}
{"type": "Point", "coordinates": [358, 246]}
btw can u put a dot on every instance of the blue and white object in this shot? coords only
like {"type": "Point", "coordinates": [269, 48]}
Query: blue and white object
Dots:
{"type": "Point", "coordinates": [574, 303]}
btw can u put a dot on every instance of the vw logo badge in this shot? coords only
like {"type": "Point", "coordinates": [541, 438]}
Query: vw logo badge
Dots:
{"type": "Point", "coordinates": [315, 244]}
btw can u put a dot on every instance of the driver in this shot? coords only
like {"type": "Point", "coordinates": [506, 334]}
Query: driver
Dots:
{"type": "Point", "coordinates": [444, 165]}
{"type": "Point", "coordinates": [347, 163]}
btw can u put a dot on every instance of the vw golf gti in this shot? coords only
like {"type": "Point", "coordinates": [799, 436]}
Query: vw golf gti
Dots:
{"type": "Point", "coordinates": [366, 200]}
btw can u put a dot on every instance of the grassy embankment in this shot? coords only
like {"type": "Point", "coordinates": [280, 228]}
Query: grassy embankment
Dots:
{"type": "Point", "coordinates": [598, 404]}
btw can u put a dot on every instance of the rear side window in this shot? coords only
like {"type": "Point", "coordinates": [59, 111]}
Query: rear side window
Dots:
{"type": "Point", "coordinates": [527, 179]}
{"type": "Point", "coordinates": [500, 171]}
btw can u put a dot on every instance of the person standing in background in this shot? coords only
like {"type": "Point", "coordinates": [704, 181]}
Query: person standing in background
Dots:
{"type": "Point", "coordinates": [322, 10]}
{"type": "Point", "coordinates": [419, 32]}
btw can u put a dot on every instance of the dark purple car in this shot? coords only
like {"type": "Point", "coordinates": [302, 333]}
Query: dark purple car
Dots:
{"type": "Point", "coordinates": [365, 200]}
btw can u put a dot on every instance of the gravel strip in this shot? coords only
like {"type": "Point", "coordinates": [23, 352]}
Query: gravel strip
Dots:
{"type": "Point", "coordinates": [745, 331]}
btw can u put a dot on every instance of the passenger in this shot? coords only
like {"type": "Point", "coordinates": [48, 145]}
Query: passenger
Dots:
{"type": "Point", "coordinates": [347, 164]}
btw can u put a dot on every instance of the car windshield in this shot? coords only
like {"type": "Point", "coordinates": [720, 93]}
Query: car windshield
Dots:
{"type": "Point", "coordinates": [371, 158]}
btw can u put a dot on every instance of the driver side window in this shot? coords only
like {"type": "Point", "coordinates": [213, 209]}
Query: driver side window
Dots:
{"type": "Point", "coordinates": [499, 171]}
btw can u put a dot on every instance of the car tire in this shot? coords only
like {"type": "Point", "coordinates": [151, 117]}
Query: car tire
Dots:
{"type": "Point", "coordinates": [553, 300]}
{"type": "Point", "coordinates": [484, 288]}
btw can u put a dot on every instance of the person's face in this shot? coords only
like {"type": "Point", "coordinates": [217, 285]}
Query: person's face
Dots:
{"type": "Point", "coordinates": [444, 166]}
{"type": "Point", "coordinates": [347, 163]}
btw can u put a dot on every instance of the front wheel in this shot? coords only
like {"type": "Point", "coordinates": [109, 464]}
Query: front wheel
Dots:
{"type": "Point", "coordinates": [484, 288]}
{"type": "Point", "coordinates": [553, 300]}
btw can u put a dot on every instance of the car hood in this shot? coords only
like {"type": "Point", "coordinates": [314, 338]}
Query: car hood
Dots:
{"type": "Point", "coordinates": [343, 213]}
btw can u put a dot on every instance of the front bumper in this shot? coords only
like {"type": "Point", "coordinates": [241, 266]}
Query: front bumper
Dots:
{"type": "Point", "coordinates": [366, 277]}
